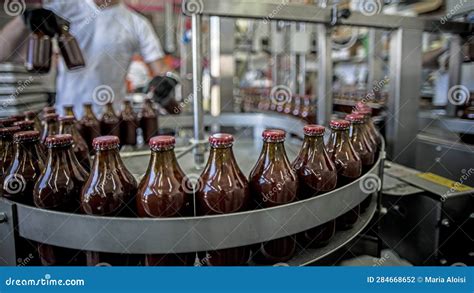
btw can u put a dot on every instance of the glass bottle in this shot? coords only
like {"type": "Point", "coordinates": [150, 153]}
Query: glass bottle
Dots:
{"type": "Point", "coordinates": [361, 141]}
{"type": "Point", "coordinates": [222, 189]}
{"type": "Point", "coordinates": [109, 191]}
{"type": "Point", "coordinates": [7, 122]}
{"type": "Point", "coordinates": [25, 125]}
{"type": "Point", "coordinates": [58, 188]}
{"type": "Point", "coordinates": [148, 120]}
{"type": "Point", "coordinates": [32, 116]}
{"type": "Point", "coordinates": [348, 165]}
{"type": "Point", "coordinates": [25, 168]}
{"type": "Point", "coordinates": [89, 125]}
{"type": "Point", "coordinates": [39, 53]}
{"type": "Point", "coordinates": [6, 150]}
{"type": "Point", "coordinates": [49, 110]}
{"type": "Point", "coordinates": [109, 124]}
{"type": "Point", "coordinates": [69, 110]}
{"type": "Point", "coordinates": [317, 174]}
{"type": "Point", "coordinates": [272, 183]}
{"type": "Point", "coordinates": [369, 124]}
{"type": "Point", "coordinates": [162, 192]}
{"type": "Point", "coordinates": [50, 126]}
{"type": "Point", "coordinates": [70, 50]}
{"type": "Point", "coordinates": [129, 125]}
{"type": "Point", "coordinates": [67, 125]}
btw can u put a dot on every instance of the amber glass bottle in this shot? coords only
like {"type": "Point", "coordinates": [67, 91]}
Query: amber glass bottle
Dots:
{"type": "Point", "coordinates": [69, 110]}
{"type": "Point", "coordinates": [25, 125]}
{"type": "Point", "coordinates": [109, 191]}
{"type": "Point", "coordinates": [7, 122]}
{"type": "Point", "coordinates": [348, 165]}
{"type": "Point", "coordinates": [70, 50]}
{"type": "Point", "coordinates": [317, 174]}
{"type": "Point", "coordinates": [6, 150]}
{"type": "Point", "coordinates": [361, 140]}
{"type": "Point", "coordinates": [148, 120]}
{"type": "Point", "coordinates": [32, 116]}
{"type": "Point", "coordinates": [162, 193]}
{"type": "Point", "coordinates": [58, 188]}
{"type": "Point", "coordinates": [372, 131]}
{"type": "Point", "coordinates": [39, 53]}
{"type": "Point", "coordinates": [222, 189]}
{"type": "Point", "coordinates": [50, 126]}
{"type": "Point", "coordinates": [109, 124]}
{"type": "Point", "coordinates": [67, 125]}
{"type": "Point", "coordinates": [129, 125]}
{"type": "Point", "coordinates": [272, 183]}
{"type": "Point", "coordinates": [89, 125]}
{"type": "Point", "coordinates": [25, 168]}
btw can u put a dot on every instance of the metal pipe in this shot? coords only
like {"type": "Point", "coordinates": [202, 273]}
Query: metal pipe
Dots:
{"type": "Point", "coordinates": [197, 88]}
{"type": "Point", "coordinates": [324, 81]}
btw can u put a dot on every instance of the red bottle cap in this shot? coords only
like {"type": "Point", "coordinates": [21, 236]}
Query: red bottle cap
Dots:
{"type": "Point", "coordinates": [8, 132]}
{"type": "Point", "coordinates": [362, 105]}
{"type": "Point", "coordinates": [106, 142]}
{"type": "Point", "coordinates": [314, 129]}
{"type": "Point", "coordinates": [365, 112]}
{"type": "Point", "coordinates": [67, 119]}
{"type": "Point", "coordinates": [161, 142]}
{"type": "Point", "coordinates": [273, 135]}
{"type": "Point", "coordinates": [31, 135]}
{"type": "Point", "coordinates": [51, 117]}
{"type": "Point", "coordinates": [7, 122]}
{"type": "Point", "coordinates": [19, 117]}
{"type": "Point", "coordinates": [25, 125]}
{"type": "Point", "coordinates": [340, 124]}
{"type": "Point", "coordinates": [58, 140]}
{"type": "Point", "coordinates": [221, 139]}
{"type": "Point", "coordinates": [355, 117]}
{"type": "Point", "coordinates": [49, 110]}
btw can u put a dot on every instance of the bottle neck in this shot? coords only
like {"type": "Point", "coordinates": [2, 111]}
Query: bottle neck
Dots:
{"type": "Point", "coordinates": [356, 131]}
{"type": "Point", "coordinates": [50, 127]}
{"type": "Point", "coordinates": [273, 152]}
{"type": "Point", "coordinates": [68, 128]}
{"type": "Point", "coordinates": [26, 150]}
{"type": "Point", "coordinates": [107, 159]}
{"type": "Point", "coordinates": [88, 111]}
{"type": "Point", "coordinates": [59, 156]}
{"type": "Point", "coordinates": [162, 160]}
{"type": "Point", "coordinates": [313, 143]}
{"type": "Point", "coordinates": [220, 158]}
{"type": "Point", "coordinates": [339, 137]}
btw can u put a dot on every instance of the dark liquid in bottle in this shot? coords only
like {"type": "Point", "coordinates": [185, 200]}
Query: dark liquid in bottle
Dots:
{"type": "Point", "coordinates": [109, 124]}
{"type": "Point", "coordinates": [109, 191]}
{"type": "Point", "coordinates": [67, 125]}
{"type": "Point", "coordinates": [148, 120]}
{"type": "Point", "coordinates": [272, 183]}
{"type": "Point", "coordinates": [39, 52]}
{"type": "Point", "coordinates": [129, 125]}
{"type": "Point", "coordinates": [163, 192]}
{"type": "Point", "coordinates": [317, 174]}
{"type": "Point", "coordinates": [89, 125]}
{"type": "Point", "coordinates": [222, 189]}
{"type": "Point", "coordinates": [70, 50]}
{"type": "Point", "coordinates": [58, 188]}
{"type": "Point", "coordinates": [6, 150]}
{"type": "Point", "coordinates": [348, 165]}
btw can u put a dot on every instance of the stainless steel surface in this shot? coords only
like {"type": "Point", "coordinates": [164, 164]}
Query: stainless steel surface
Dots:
{"type": "Point", "coordinates": [405, 84]}
{"type": "Point", "coordinates": [222, 64]}
{"type": "Point", "coordinates": [8, 255]}
{"type": "Point", "coordinates": [429, 120]}
{"type": "Point", "coordinates": [341, 238]}
{"type": "Point", "coordinates": [456, 57]}
{"type": "Point", "coordinates": [170, 31]}
{"type": "Point", "coordinates": [315, 14]}
{"type": "Point", "coordinates": [197, 86]}
{"type": "Point", "coordinates": [325, 72]}
{"type": "Point", "coordinates": [22, 100]}
{"type": "Point", "coordinates": [187, 234]}
{"type": "Point", "coordinates": [444, 156]}
{"type": "Point", "coordinates": [375, 62]}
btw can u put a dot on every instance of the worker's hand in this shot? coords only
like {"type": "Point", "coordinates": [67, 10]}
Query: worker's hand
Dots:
{"type": "Point", "coordinates": [162, 85]}
{"type": "Point", "coordinates": [43, 20]}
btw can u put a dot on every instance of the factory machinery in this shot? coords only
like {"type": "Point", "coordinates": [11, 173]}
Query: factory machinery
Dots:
{"type": "Point", "coordinates": [413, 210]}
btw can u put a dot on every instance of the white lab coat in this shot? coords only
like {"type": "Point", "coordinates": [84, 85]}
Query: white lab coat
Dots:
{"type": "Point", "coordinates": [108, 37]}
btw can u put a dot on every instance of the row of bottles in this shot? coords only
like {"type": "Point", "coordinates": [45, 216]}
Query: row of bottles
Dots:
{"type": "Point", "coordinates": [297, 106]}
{"type": "Point", "coordinates": [60, 183]}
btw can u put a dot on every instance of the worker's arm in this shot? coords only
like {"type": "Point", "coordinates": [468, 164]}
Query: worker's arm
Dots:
{"type": "Point", "coordinates": [12, 36]}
